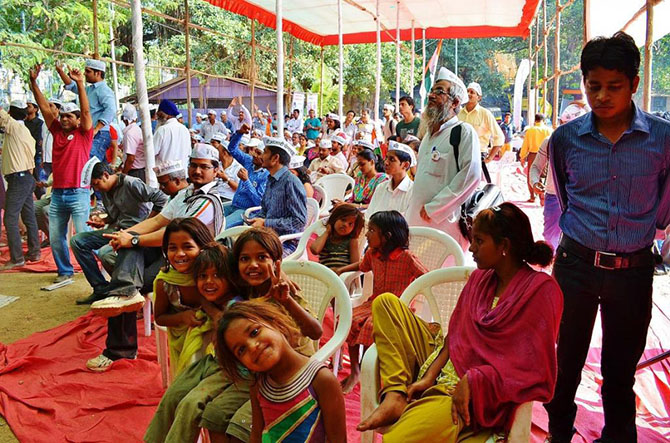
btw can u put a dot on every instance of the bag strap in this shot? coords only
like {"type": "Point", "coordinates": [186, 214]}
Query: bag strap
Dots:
{"type": "Point", "coordinates": [455, 141]}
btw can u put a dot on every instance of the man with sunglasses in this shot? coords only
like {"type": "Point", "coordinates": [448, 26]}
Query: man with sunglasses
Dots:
{"type": "Point", "coordinates": [441, 184]}
{"type": "Point", "coordinates": [139, 254]}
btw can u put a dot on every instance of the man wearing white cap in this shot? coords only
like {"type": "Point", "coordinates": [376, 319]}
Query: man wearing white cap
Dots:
{"type": "Point", "coordinates": [484, 122]}
{"type": "Point", "coordinates": [284, 204]}
{"type": "Point", "coordinates": [389, 123]}
{"type": "Point", "coordinates": [338, 141]}
{"type": "Point", "coordinates": [18, 162]}
{"type": "Point", "coordinates": [198, 122]}
{"type": "Point", "coordinates": [227, 174]}
{"type": "Point", "coordinates": [48, 139]}
{"type": "Point", "coordinates": [252, 176]}
{"type": "Point", "coordinates": [72, 141]}
{"type": "Point", "coordinates": [394, 194]}
{"type": "Point", "coordinates": [35, 125]}
{"type": "Point", "coordinates": [243, 116]}
{"type": "Point", "coordinates": [133, 144]}
{"type": "Point", "coordinates": [441, 184]}
{"type": "Point", "coordinates": [101, 101]}
{"type": "Point", "coordinates": [211, 126]}
{"type": "Point", "coordinates": [137, 263]}
{"type": "Point", "coordinates": [325, 163]}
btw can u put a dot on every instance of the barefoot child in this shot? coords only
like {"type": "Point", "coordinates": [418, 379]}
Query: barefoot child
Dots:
{"type": "Point", "coordinates": [339, 245]}
{"type": "Point", "coordinates": [293, 397]}
{"type": "Point", "coordinates": [393, 266]}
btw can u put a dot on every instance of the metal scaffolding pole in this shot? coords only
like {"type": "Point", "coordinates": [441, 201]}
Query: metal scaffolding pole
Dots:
{"type": "Point", "coordinates": [280, 67]}
{"type": "Point", "coordinates": [557, 65]}
{"type": "Point", "coordinates": [340, 94]}
{"type": "Point", "coordinates": [397, 54]}
{"type": "Point", "coordinates": [546, 57]}
{"type": "Point", "coordinates": [187, 68]}
{"type": "Point", "coordinates": [321, 85]}
{"type": "Point", "coordinates": [411, 78]}
{"type": "Point", "coordinates": [378, 77]}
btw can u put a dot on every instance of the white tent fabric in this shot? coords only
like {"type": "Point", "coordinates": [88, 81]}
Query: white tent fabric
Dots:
{"type": "Point", "coordinates": [316, 22]}
{"type": "Point", "coordinates": [610, 16]}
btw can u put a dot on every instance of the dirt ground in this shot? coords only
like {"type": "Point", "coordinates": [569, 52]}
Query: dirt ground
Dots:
{"type": "Point", "coordinates": [35, 311]}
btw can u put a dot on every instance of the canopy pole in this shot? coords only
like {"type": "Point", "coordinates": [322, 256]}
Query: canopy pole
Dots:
{"type": "Point", "coordinates": [537, 62]}
{"type": "Point", "coordinates": [252, 73]}
{"type": "Point", "coordinates": [141, 85]}
{"type": "Point", "coordinates": [290, 70]}
{"type": "Point", "coordinates": [397, 54]}
{"type": "Point", "coordinates": [411, 78]}
{"type": "Point", "coordinates": [115, 77]}
{"type": "Point", "coordinates": [378, 78]}
{"type": "Point", "coordinates": [546, 57]}
{"type": "Point", "coordinates": [423, 52]}
{"type": "Point", "coordinates": [557, 64]}
{"type": "Point", "coordinates": [187, 68]}
{"type": "Point", "coordinates": [321, 85]}
{"type": "Point", "coordinates": [341, 59]}
{"type": "Point", "coordinates": [648, 55]}
{"type": "Point", "coordinates": [280, 67]}
{"type": "Point", "coordinates": [529, 88]}
{"type": "Point", "coordinates": [455, 56]}
{"type": "Point", "coordinates": [96, 37]}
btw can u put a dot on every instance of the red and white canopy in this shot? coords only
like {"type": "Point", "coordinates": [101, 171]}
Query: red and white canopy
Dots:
{"type": "Point", "coordinates": [315, 21]}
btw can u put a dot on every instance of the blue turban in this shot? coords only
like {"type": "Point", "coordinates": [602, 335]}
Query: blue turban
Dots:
{"type": "Point", "coordinates": [168, 107]}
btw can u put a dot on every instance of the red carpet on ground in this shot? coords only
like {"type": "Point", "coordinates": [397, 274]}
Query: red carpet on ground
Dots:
{"type": "Point", "coordinates": [45, 264]}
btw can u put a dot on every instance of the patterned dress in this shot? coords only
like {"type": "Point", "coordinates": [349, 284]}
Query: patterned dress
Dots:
{"type": "Point", "coordinates": [291, 411]}
{"type": "Point", "coordinates": [365, 187]}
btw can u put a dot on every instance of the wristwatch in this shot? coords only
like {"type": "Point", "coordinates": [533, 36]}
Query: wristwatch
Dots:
{"type": "Point", "coordinates": [135, 241]}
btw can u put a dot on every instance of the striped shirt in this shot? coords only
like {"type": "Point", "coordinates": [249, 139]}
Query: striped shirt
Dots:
{"type": "Point", "coordinates": [203, 208]}
{"type": "Point", "coordinates": [249, 192]}
{"type": "Point", "coordinates": [284, 204]}
{"type": "Point", "coordinates": [613, 195]}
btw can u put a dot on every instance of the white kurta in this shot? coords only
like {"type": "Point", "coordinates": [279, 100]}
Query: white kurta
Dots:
{"type": "Point", "coordinates": [386, 198]}
{"type": "Point", "coordinates": [172, 141]}
{"type": "Point", "coordinates": [439, 185]}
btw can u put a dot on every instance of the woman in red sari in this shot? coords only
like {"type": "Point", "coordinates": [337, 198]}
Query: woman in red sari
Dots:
{"type": "Point", "coordinates": [499, 351]}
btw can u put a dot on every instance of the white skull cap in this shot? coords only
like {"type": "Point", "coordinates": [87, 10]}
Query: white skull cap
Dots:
{"type": "Point", "coordinates": [168, 167]}
{"type": "Point", "coordinates": [461, 90]}
{"type": "Point", "coordinates": [401, 147]}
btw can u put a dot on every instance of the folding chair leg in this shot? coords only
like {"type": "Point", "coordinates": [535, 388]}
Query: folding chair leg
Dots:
{"type": "Point", "coordinates": [147, 316]}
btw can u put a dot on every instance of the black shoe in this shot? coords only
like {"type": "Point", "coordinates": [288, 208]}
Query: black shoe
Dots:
{"type": "Point", "coordinates": [45, 244]}
{"type": "Point", "coordinates": [34, 257]}
{"type": "Point", "coordinates": [91, 298]}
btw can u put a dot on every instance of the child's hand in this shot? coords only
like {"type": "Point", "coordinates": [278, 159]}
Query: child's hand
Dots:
{"type": "Point", "coordinates": [280, 289]}
{"type": "Point", "coordinates": [329, 229]}
{"type": "Point", "coordinates": [189, 319]}
{"type": "Point", "coordinates": [338, 271]}
{"type": "Point", "coordinates": [417, 388]}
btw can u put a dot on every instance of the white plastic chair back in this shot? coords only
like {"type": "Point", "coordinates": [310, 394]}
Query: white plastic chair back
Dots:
{"type": "Point", "coordinates": [232, 233]}
{"type": "Point", "coordinates": [300, 252]}
{"type": "Point", "coordinates": [319, 286]}
{"type": "Point", "coordinates": [433, 247]}
{"type": "Point", "coordinates": [321, 196]}
{"type": "Point", "coordinates": [312, 212]}
{"type": "Point", "coordinates": [336, 186]}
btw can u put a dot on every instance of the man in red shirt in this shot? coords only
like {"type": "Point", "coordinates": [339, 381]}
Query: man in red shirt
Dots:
{"type": "Point", "coordinates": [72, 140]}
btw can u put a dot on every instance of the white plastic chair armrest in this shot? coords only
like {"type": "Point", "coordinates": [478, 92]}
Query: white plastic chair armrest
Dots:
{"type": "Point", "coordinates": [370, 385]}
{"type": "Point", "coordinates": [520, 431]}
{"type": "Point", "coordinates": [343, 318]}
{"type": "Point", "coordinates": [348, 278]}
{"type": "Point", "coordinates": [249, 211]}
{"type": "Point", "coordinates": [287, 237]}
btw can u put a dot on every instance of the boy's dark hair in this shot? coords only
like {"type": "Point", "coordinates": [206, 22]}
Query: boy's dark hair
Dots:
{"type": "Point", "coordinates": [352, 111]}
{"type": "Point", "coordinates": [393, 226]}
{"type": "Point", "coordinates": [284, 158]}
{"type": "Point", "coordinates": [193, 227]}
{"type": "Point", "coordinates": [218, 256]}
{"type": "Point", "coordinates": [346, 210]}
{"type": "Point", "coordinates": [265, 237]}
{"type": "Point", "coordinates": [99, 169]}
{"type": "Point", "coordinates": [539, 117]}
{"type": "Point", "coordinates": [402, 156]}
{"type": "Point", "coordinates": [618, 52]}
{"type": "Point", "coordinates": [409, 100]}
{"type": "Point", "coordinates": [303, 175]}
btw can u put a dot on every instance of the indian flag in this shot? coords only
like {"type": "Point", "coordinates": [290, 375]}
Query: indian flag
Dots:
{"type": "Point", "coordinates": [429, 74]}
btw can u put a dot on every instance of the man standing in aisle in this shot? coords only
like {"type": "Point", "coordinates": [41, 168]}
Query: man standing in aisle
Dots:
{"type": "Point", "coordinates": [35, 125]}
{"type": "Point", "coordinates": [211, 126]}
{"type": "Point", "coordinates": [534, 137]}
{"type": "Point", "coordinates": [409, 125]}
{"type": "Point", "coordinates": [18, 162]}
{"type": "Point", "coordinates": [133, 144]}
{"type": "Point", "coordinates": [611, 176]}
{"type": "Point", "coordinates": [484, 122]}
{"type": "Point", "coordinates": [389, 122]}
{"type": "Point", "coordinates": [312, 126]}
{"type": "Point", "coordinates": [102, 103]}
{"type": "Point", "coordinates": [243, 116]}
{"type": "Point", "coordinates": [441, 184]}
{"type": "Point", "coordinates": [172, 141]}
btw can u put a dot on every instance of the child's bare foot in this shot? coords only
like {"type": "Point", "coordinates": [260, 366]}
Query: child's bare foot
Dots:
{"type": "Point", "coordinates": [386, 414]}
{"type": "Point", "coordinates": [349, 383]}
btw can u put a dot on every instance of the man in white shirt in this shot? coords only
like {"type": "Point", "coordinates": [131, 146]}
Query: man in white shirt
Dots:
{"type": "Point", "coordinates": [441, 185]}
{"type": "Point", "coordinates": [389, 122]}
{"type": "Point", "coordinates": [295, 123]}
{"type": "Point", "coordinates": [325, 163]}
{"type": "Point", "coordinates": [172, 140]}
{"type": "Point", "coordinates": [227, 174]}
{"type": "Point", "coordinates": [138, 249]}
{"type": "Point", "coordinates": [243, 116]}
{"type": "Point", "coordinates": [211, 126]}
{"type": "Point", "coordinates": [338, 141]}
{"type": "Point", "coordinates": [394, 194]}
{"type": "Point", "coordinates": [133, 144]}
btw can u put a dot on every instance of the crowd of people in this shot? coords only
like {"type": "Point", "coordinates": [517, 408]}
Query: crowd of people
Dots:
{"type": "Point", "coordinates": [517, 334]}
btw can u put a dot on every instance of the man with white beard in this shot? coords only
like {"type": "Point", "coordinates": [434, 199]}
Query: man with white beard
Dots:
{"type": "Point", "coordinates": [441, 185]}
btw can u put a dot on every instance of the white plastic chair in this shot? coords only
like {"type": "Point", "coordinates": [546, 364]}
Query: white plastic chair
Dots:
{"type": "Point", "coordinates": [319, 286]}
{"type": "Point", "coordinates": [300, 252]}
{"type": "Point", "coordinates": [441, 288]}
{"type": "Point", "coordinates": [432, 246]}
{"type": "Point", "coordinates": [336, 187]}
{"type": "Point", "coordinates": [312, 217]}
{"type": "Point", "coordinates": [322, 200]}
{"type": "Point", "coordinates": [312, 211]}
{"type": "Point", "coordinates": [232, 233]}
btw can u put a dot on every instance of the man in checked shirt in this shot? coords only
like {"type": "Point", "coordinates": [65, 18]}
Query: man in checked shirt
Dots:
{"type": "Point", "coordinates": [611, 175]}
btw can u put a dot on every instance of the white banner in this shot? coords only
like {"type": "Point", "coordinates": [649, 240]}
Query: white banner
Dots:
{"type": "Point", "coordinates": [519, 87]}
{"type": "Point", "coordinates": [312, 102]}
{"type": "Point", "coordinates": [298, 102]}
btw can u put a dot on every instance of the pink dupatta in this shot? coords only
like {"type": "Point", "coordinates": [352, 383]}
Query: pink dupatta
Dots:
{"type": "Point", "coordinates": [508, 353]}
